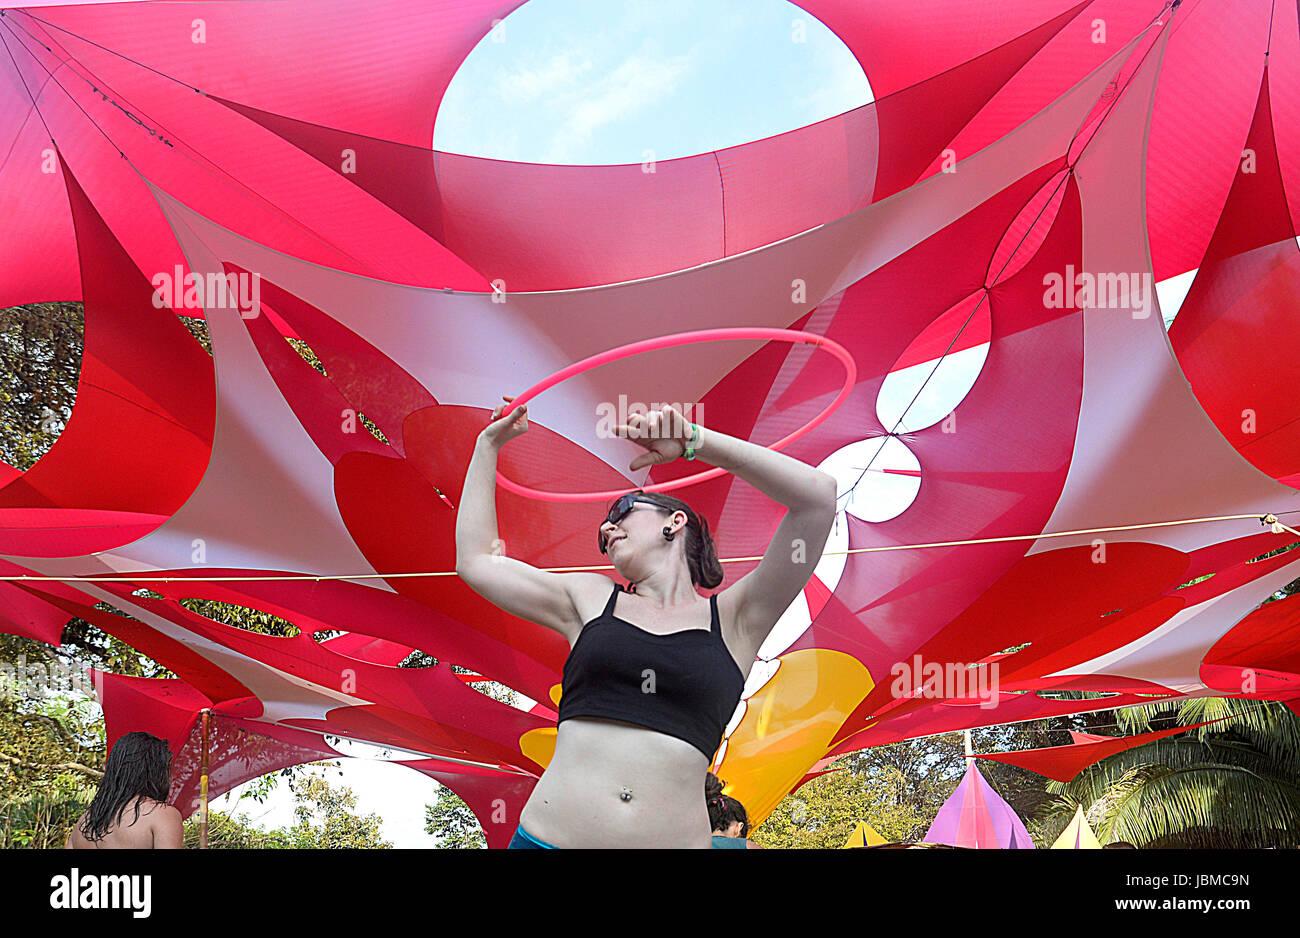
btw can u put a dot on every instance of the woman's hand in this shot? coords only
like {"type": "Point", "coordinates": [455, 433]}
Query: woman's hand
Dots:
{"type": "Point", "coordinates": [502, 429]}
{"type": "Point", "coordinates": [663, 432]}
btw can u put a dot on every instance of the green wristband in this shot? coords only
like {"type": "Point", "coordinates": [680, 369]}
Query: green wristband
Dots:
{"type": "Point", "coordinates": [693, 442]}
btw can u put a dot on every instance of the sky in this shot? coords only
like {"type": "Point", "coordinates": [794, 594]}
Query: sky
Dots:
{"type": "Point", "coordinates": [578, 81]}
{"type": "Point", "coordinates": [383, 787]}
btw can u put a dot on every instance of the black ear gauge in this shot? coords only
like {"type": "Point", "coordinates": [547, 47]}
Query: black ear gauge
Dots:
{"type": "Point", "coordinates": [668, 533]}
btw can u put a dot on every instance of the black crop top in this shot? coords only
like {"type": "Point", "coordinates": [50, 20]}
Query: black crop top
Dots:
{"type": "Point", "coordinates": [683, 684]}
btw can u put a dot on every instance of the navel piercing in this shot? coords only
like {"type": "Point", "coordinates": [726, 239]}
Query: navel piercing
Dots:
{"type": "Point", "coordinates": [626, 794]}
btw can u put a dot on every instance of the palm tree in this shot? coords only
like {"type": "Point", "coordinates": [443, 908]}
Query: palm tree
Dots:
{"type": "Point", "coordinates": [1228, 785]}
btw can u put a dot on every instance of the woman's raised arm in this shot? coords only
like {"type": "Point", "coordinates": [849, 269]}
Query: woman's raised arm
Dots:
{"type": "Point", "coordinates": [758, 598]}
{"type": "Point", "coordinates": [517, 587]}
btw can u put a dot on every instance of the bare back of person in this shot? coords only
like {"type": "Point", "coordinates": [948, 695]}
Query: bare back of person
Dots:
{"type": "Point", "coordinates": [597, 761]}
{"type": "Point", "coordinates": [157, 827]}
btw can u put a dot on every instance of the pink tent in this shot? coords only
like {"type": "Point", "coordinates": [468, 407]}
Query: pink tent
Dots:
{"type": "Point", "coordinates": [974, 816]}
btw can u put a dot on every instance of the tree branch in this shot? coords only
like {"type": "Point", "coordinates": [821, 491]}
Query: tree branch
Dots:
{"type": "Point", "coordinates": [76, 677]}
{"type": "Point", "coordinates": [68, 766]}
{"type": "Point", "coordinates": [56, 723]}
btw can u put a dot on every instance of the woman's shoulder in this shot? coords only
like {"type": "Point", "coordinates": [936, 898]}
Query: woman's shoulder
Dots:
{"type": "Point", "coordinates": [76, 838]}
{"type": "Point", "coordinates": [162, 809]}
{"type": "Point", "coordinates": [728, 843]}
{"type": "Point", "coordinates": [152, 811]}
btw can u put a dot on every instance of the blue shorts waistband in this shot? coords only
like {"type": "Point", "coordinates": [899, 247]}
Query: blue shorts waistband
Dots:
{"type": "Point", "coordinates": [526, 841]}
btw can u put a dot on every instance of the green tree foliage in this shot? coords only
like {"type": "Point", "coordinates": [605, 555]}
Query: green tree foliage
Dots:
{"type": "Point", "coordinates": [247, 618]}
{"type": "Point", "coordinates": [199, 329]}
{"type": "Point", "coordinates": [40, 364]}
{"type": "Point", "coordinates": [51, 751]}
{"type": "Point", "coordinates": [50, 744]}
{"type": "Point", "coordinates": [230, 832]}
{"type": "Point", "coordinates": [825, 811]}
{"type": "Point", "coordinates": [325, 818]}
{"type": "Point", "coordinates": [451, 821]}
{"type": "Point", "coordinates": [41, 820]}
{"type": "Point", "coordinates": [898, 789]}
{"type": "Point", "coordinates": [83, 645]}
{"type": "Point", "coordinates": [1228, 785]}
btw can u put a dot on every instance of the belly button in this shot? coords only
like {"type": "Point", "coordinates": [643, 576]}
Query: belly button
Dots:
{"type": "Point", "coordinates": [625, 794]}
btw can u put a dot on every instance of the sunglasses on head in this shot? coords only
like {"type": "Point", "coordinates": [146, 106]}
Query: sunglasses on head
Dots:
{"type": "Point", "coordinates": [619, 511]}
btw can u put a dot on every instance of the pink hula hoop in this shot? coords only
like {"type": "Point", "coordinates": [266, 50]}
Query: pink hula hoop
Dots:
{"type": "Point", "coordinates": [669, 341]}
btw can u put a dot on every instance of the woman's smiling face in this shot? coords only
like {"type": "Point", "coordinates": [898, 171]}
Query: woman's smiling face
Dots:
{"type": "Point", "coordinates": [633, 528]}
{"type": "Point", "coordinates": [632, 536]}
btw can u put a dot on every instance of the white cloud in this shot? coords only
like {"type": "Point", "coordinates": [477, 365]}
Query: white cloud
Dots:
{"type": "Point", "coordinates": [524, 84]}
{"type": "Point", "coordinates": [843, 87]}
{"type": "Point", "coordinates": [583, 81]}
{"type": "Point", "coordinates": [639, 81]}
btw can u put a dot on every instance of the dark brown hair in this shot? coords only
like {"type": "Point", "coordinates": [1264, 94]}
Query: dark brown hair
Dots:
{"type": "Point", "coordinates": [723, 809]}
{"type": "Point", "coordinates": [138, 766]}
{"type": "Point", "coordinates": [701, 556]}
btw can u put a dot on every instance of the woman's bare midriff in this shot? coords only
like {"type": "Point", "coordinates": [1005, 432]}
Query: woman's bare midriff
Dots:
{"type": "Point", "coordinates": [578, 800]}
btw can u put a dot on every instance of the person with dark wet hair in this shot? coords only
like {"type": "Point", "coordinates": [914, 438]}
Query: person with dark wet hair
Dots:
{"type": "Point", "coordinates": [655, 671]}
{"type": "Point", "coordinates": [136, 778]}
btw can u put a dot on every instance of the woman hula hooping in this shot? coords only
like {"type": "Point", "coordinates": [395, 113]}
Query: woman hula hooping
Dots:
{"type": "Point", "coordinates": [655, 672]}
